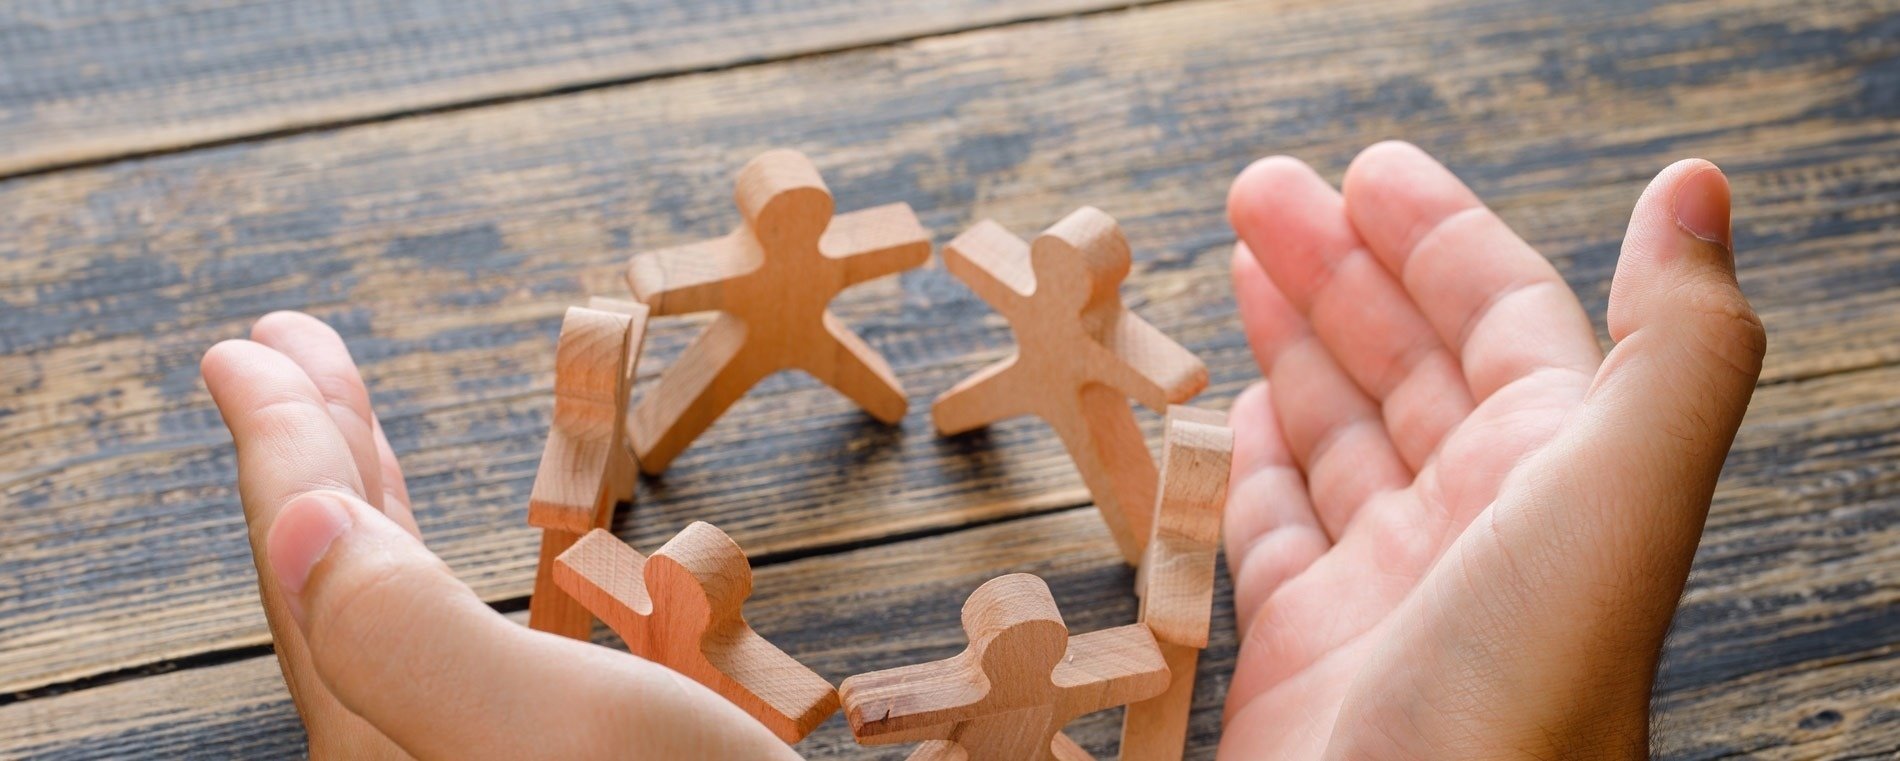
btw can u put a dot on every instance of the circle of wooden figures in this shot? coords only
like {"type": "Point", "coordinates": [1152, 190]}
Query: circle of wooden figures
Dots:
{"type": "Point", "coordinates": [1081, 355]}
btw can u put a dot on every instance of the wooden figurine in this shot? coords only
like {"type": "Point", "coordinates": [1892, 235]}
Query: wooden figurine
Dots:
{"type": "Point", "coordinates": [622, 306]}
{"type": "Point", "coordinates": [1176, 580]}
{"type": "Point", "coordinates": [586, 467]}
{"type": "Point", "coordinates": [771, 280]}
{"type": "Point", "coordinates": [1007, 696]}
{"type": "Point", "coordinates": [1079, 355]}
{"type": "Point", "coordinates": [638, 312]}
{"type": "Point", "coordinates": [681, 608]}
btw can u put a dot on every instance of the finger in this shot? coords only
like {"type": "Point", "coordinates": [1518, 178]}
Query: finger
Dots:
{"type": "Point", "coordinates": [395, 487]}
{"type": "Point", "coordinates": [287, 442]}
{"type": "Point", "coordinates": [1331, 428]}
{"type": "Point", "coordinates": [317, 349]}
{"type": "Point", "coordinates": [1679, 318]}
{"type": "Point", "coordinates": [1271, 531]}
{"type": "Point", "coordinates": [409, 647]}
{"type": "Point", "coordinates": [1498, 304]}
{"type": "Point", "coordinates": [1296, 226]}
{"type": "Point", "coordinates": [1669, 398]}
{"type": "Point", "coordinates": [287, 445]}
{"type": "Point", "coordinates": [1606, 518]}
{"type": "Point", "coordinates": [1270, 324]}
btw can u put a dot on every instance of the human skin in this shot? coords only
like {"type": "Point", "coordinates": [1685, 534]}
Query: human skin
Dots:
{"type": "Point", "coordinates": [1456, 529]}
{"type": "Point", "coordinates": [387, 653]}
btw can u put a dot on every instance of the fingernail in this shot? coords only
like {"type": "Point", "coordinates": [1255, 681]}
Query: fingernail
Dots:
{"type": "Point", "coordinates": [304, 531]}
{"type": "Point", "coordinates": [1702, 206]}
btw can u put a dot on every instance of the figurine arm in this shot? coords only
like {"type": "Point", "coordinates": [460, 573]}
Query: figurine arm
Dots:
{"type": "Point", "coordinates": [993, 263]}
{"type": "Point", "coordinates": [875, 242]}
{"type": "Point", "coordinates": [689, 278]}
{"type": "Point", "coordinates": [992, 394]}
{"type": "Point", "coordinates": [1138, 360]}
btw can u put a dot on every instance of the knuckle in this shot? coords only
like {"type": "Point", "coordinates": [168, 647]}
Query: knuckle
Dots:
{"type": "Point", "coordinates": [282, 426]}
{"type": "Point", "coordinates": [370, 607]}
{"type": "Point", "coordinates": [1727, 329]}
{"type": "Point", "coordinates": [1693, 426]}
{"type": "Point", "coordinates": [284, 416]}
{"type": "Point", "coordinates": [283, 408]}
{"type": "Point", "coordinates": [340, 390]}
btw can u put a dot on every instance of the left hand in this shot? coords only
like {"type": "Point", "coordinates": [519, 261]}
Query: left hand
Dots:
{"type": "Point", "coordinates": [386, 652]}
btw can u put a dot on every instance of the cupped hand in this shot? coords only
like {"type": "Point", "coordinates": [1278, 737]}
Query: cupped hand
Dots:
{"type": "Point", "coordinates": [1457, 529]}
{"type": "Point", "coordinates": [387, 654]}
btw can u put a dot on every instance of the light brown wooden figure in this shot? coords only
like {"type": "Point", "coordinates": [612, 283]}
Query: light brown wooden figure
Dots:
{"type": "Point", "coordinates": [626, 468]}
{"type": "Point", "coordinates": [1007, 696]}
{"type": "Point", "coordinates": [1176, 579]}
{"type": "Point", "coordinates": [587, 466]}
{"type": "Point", "coordinates": [682, 608]}
{"type": "Point", "coordinates": [771, 281]}
{"type": "Point", "coordinates": [1079, 356]}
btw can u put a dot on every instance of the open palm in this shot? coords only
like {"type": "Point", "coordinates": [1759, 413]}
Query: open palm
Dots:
{"type": "Point", "coordinates": [1455, 529]}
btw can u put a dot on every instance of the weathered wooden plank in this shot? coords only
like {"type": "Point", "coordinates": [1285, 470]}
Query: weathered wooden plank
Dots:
{"type": "Point", "coordinates": [1786, 642]}
{"type": "Point", "coordinates": [1784, 646]}
{"type": "Point", "coordinates": [1829, 709]}
{"type": "Point", "coordinates": [445, 247]}
{"type": "Point", "coordinates": [83, 82]}
{"type": "Point", "coordinates": [840, 614]}
{"type": "Point", "coordinates": [1835, 708]}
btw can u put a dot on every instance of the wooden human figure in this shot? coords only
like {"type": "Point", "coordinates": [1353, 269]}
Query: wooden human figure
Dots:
{"type": "Point", "coordinates": [586, 467]}
{"type": "Point", "coordinates": [1007, 696]}
{"type": "Point", "coordinates": [1079, 356]}
{"type": "Point", "coordinates": [1176, 580]}
{"type": "Point", "coordinates": [681, 608]}
{"type": "Point", "coordinates": [771, 281]}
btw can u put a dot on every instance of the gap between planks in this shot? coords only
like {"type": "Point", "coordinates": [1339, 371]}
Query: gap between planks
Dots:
{"type": "Point", "coordinates": [507, 605]}
{"type": "Point", "coordinates": [95, 153]}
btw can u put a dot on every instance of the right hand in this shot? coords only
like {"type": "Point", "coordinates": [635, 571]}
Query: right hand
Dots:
{"type": "Point", "coordinates": [1457, 529]}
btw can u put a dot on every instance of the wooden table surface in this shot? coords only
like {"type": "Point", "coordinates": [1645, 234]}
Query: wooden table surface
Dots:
{"type": "Point", "coordinates": [439, 181]}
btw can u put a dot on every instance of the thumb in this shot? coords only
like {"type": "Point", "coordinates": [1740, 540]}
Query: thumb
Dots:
{"type": "Point", "coordinates": [1688, 345]}
{"type": "Point", "coordinates": [400, 641]}
{"type": "Point", "coordinates": [1676, 277]}
{"type": "Point", "coordinates": [1659, 417]}
{"type": "Point", "coordinates": [1616, 501]}
{"type": "Point", "coordinates": [1609, 514]}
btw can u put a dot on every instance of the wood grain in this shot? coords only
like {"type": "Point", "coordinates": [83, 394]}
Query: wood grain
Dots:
{"type": "Point", "coordinates": [1769, 658]}
{"type": "Point", "coordinates": [1080, 357]}
{"type": "Point", "coordinates": [1175, 582]}
{"type": "Point", "coordinates": [835, 613]}
{"type": "Point", "coordinates": [586, 467]}
{"type": "Point", "coordinates": [92, 81]}
{"type": "Point", "coordinates": [1007, 695]}
{"type": "Point", "coordinates": [771, 281]}
{"type": "Point", "coordinates": [683, 608]}
{"type": "Point", "coordinates": [445, 247]}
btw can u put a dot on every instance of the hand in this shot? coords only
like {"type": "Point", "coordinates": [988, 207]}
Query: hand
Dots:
{"type": "Point", "coordinates": [386, 653]}
{"type": "Point", "coordinates": [1456, 529]}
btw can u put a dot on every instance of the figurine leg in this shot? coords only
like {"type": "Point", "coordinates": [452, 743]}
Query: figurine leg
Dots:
{"type": "Point", "coordinates": [1064, 749]}
{"type": "Point", "coordinates": [551, 609]}
{"type": "Point", "coordinates": [856, 370]}
{"type": "Point", "coordinates": [1156, 728]}
{"type": "Point", "coordinates": [993, 393]}
{"type": "Point", "coordinates": [692, 393]}
{"type": "Point", "coordinates": [1115, 464]}
{"type": "Point", "coordinates": [939, 750]}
